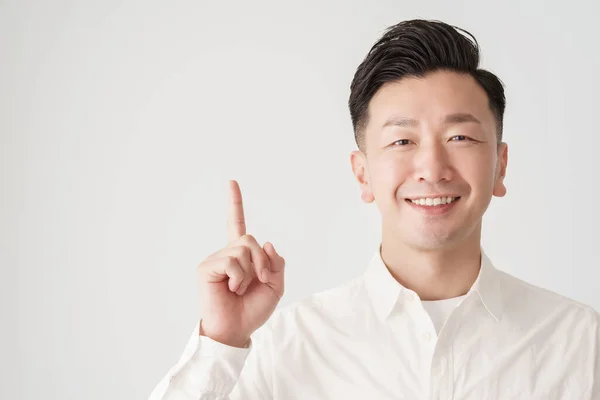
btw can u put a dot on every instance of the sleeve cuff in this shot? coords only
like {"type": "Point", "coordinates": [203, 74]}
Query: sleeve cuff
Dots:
{"type": "Point", "coordinates": [208, 366]}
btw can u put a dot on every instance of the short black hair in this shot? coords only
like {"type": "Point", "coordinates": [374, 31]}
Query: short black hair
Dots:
{"type": "Point", "coordinates": [415, 48]}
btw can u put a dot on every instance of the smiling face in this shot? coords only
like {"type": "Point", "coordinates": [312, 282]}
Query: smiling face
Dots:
{"type": "Point", "coordinates": [432, 138]}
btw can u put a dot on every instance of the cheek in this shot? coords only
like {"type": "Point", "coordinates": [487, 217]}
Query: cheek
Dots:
{"type": "Point", "coordinates": [393, 172]}
{"type": "Point", "coordinates": [387, 176]}
{"type": "Point", "coordinates": [478, 170]}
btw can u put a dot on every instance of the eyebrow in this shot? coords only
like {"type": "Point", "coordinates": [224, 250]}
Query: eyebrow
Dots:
{"type": "Point", "coordinates": [449, 119]}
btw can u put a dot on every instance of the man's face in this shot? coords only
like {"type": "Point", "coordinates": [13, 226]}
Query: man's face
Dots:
{"type": "Point", "coordinates": [431, 138]}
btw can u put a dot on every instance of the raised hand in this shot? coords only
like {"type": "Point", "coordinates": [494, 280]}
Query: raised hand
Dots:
{"type": "Point", "coordinates": [241, 284]}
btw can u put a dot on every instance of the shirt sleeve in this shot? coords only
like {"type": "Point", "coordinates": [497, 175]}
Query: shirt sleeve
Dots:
{"type": "Point", "coordinates": [210, 370]}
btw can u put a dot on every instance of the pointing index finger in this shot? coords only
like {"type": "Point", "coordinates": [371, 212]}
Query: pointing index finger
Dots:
{"type": "Point", "coordinates": [236, 221]}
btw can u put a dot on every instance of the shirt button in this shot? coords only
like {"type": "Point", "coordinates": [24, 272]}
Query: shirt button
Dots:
{"type": "Point", "coordinates": [426, 336]}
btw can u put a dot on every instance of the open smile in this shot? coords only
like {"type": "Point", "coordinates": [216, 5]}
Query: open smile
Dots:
{"type": "Point", "coordinates": [433, 205]}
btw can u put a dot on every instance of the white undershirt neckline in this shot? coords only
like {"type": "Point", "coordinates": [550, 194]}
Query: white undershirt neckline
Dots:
{"type": "Point", "coordinates": [439, 310]}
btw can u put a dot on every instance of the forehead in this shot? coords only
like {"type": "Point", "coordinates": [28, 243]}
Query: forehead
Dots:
{"type": "Point", "coordinates": [429, 99]}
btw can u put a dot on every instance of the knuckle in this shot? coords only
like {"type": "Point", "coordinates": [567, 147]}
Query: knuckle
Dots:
{"type": "Point", "coordinates": [248, 239]}
{"type": "Point", "coordinates": [239, 251]}
{"type": "Point", "coordinates": [230, 262]}
{"type": "Point", "coordinates": [242, 254]}
{"type": "Point", "coordinates": [246, 253]}
{"type": "Point", "coordinates": [237, 221]}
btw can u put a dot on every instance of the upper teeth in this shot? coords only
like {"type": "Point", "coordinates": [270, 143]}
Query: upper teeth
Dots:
{"type": "Point", "coordinates": [434, 201]}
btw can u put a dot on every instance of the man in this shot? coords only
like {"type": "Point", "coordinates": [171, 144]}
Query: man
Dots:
{"type": "Point", "coordinates": [431, 318]}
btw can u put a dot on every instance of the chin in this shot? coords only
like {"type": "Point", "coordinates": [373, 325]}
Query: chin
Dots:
{"type": "Point", "coordinates": [433, 240]}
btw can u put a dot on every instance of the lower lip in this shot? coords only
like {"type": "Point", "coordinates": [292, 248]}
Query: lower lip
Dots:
{"type": "Point", "coordinates": [434, 210]}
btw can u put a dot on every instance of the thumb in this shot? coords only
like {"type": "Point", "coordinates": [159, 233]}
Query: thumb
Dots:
{"type": "Point", "coordinates": [277, 262]}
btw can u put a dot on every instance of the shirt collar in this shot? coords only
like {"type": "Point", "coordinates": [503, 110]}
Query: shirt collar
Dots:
{"type": "Point", "coordinates": [487, 286]}
{"type": "Point", "coordinates": [385, 291]}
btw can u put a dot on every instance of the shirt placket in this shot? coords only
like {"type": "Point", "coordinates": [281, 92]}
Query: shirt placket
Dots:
{"type": "Point", "coordinates": [441, 377]}
{"type": "Point", "coordinates": [427, 338]}
{"type": "Point", "coordinates": [442, 363]}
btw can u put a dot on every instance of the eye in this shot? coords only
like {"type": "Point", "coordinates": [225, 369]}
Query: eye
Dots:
{"type": "Point", "coordinates": [459, 138]}
{"type": "Point", "coordinates": [402, 142]}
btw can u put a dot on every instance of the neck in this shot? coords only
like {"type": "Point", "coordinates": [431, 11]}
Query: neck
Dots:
{"type": "Point", "coordinates": [434, 274]}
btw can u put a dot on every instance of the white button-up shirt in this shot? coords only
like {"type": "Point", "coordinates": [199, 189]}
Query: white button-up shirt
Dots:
{"type": "Point", "coordinates": [371, 338]}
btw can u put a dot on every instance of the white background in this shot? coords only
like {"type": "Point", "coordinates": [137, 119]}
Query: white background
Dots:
{"type": "Point", "coordinates": [121, 123]}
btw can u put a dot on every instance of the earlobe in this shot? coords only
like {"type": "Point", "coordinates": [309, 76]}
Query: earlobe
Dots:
{"type": "Point", "coordinates": [366, 194]}
{"type": "Point", "coordinates": [500, 188]}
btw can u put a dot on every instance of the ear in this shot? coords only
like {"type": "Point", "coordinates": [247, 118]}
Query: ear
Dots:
{"type": "Point", "coordinates": [499, 187]}
{"type": "Point", "coordinates": [360, 171]}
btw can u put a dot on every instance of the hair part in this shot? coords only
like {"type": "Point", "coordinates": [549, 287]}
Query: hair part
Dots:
{"type": "Point", "coordinates": [415, 48]}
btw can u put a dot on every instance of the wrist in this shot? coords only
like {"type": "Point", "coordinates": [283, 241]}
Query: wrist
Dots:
{"type": "Point", "coordinates": [228, 340]}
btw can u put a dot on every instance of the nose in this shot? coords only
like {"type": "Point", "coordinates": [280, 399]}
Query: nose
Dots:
{"type": "Point", "coordinates": [432, 163]}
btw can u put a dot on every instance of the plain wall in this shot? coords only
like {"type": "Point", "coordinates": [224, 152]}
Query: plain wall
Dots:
{"type": "Point", "coordinates": [121, 123]}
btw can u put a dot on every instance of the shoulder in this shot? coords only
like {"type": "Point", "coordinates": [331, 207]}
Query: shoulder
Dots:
{"type": "Point", "coordinates": [538, 303]}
